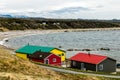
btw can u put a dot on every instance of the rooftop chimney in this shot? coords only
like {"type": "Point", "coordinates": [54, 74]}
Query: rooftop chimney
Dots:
{"type": "Point", "coordinates": [89, 53]}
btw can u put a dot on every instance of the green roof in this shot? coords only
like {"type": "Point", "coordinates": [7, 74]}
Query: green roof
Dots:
{"type": "Point", "coordinates": [30, 49]}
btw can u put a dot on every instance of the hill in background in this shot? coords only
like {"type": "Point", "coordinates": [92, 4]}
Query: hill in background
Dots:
{"type": "Point", "coordinates": [41, 23]}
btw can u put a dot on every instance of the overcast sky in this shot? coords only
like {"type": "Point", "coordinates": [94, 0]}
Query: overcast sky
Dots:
{"type": "Point", "coordinates": [86, 9]}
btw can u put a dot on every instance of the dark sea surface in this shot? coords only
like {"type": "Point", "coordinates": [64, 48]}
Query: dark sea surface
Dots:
{"type": "Point", "coordinates": [93, 40]}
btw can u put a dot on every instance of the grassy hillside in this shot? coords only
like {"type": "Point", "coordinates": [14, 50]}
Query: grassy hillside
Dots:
{"type": "Point", "coordinates": [11, 65]}
{"type": "Point", "coordinates": [14, 68]}
{"type": "Point", "coordinates": [34, 23]}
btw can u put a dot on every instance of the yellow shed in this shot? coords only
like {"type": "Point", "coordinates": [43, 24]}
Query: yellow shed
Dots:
{"type": "Point", "coordinates": [26, 50]}
{"type": "Point", "coordinates": [23, 56]}
{"type": "Point", "coordinates": [59, 53]}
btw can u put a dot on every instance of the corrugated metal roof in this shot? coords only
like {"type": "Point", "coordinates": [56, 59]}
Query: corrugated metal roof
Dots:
{"type": "Point", "coordinates": [88, 58]}
{"type": "Point", "coordinates": [30, 49]}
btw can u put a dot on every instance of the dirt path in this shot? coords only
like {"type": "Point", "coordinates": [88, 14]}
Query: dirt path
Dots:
{"type": "Point", "coordinates": [74, 72]}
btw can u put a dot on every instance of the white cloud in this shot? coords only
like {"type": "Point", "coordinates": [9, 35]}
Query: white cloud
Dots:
{"type": "Point", "coordinates": [98, 8]}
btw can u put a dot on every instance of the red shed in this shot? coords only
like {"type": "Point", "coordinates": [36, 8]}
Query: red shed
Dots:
{"type": "Point", "coordinates": [94, 62]}
{"type": "Point", "coordinates": [46, 58]}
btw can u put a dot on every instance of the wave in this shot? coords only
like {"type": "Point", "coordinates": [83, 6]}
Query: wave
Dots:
{"type": "Point", "coordinates": [3, 41]}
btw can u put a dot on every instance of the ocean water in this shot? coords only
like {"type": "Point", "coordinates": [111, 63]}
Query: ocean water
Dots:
{"type": "Point", "coordinates": [93, 40]}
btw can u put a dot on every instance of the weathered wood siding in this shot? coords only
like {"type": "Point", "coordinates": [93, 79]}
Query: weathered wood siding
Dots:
{"type": "Point", "coordinates": [53, 56]}
{"type": "Point", "coordinates": [109, 65]}
{"type": "Point", "coordinates": [87, 66]}
{"type": "Point", "coordinates": [37, 60]}
{"type": "Point", "coordinates": [23, 56]}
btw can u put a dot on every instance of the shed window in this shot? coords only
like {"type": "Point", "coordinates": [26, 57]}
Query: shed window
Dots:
{"type": "Point", "coordinates": [62, 54]}
{"type": "Point", "coordinates": [54, 60]}
{"type": "Point", "coordinates": [40, 55]}
{"type": "Point", "coordinates": [101, 67]}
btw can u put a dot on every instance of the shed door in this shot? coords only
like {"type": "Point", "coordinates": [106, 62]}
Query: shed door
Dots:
{"type": "Point", "coordinates": [46, 61]}
{"type": "Point", "coordinates": [82, 66]}
{"type": "Point", "coordinates": [74, 63]}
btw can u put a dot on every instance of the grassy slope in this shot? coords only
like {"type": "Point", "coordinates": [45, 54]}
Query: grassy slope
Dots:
{"type": "Point", "coordinates": [14, 68]}
{"type": "Point", "coordinates": [11, 65]}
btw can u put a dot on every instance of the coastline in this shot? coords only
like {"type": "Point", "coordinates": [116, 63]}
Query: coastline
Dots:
{"type": "Point", "coordinates": [19, 33]}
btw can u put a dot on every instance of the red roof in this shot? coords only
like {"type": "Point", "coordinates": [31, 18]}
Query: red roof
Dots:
{"type": "Point", "coordinates": [88, 58]}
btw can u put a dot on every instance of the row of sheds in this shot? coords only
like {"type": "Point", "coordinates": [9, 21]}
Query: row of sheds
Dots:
{"type": "Point", "coordinates": [55, 56]}
{"type": "Point", "coordinates": [46, 55]}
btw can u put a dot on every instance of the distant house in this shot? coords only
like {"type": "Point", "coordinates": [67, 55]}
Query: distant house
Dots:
{"type": "Point", "coordinates": [46, 58]}
{"type": "Point", "coordinates": [30, 49]}
{"type": "Point", "coordinates": [93, 62]}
